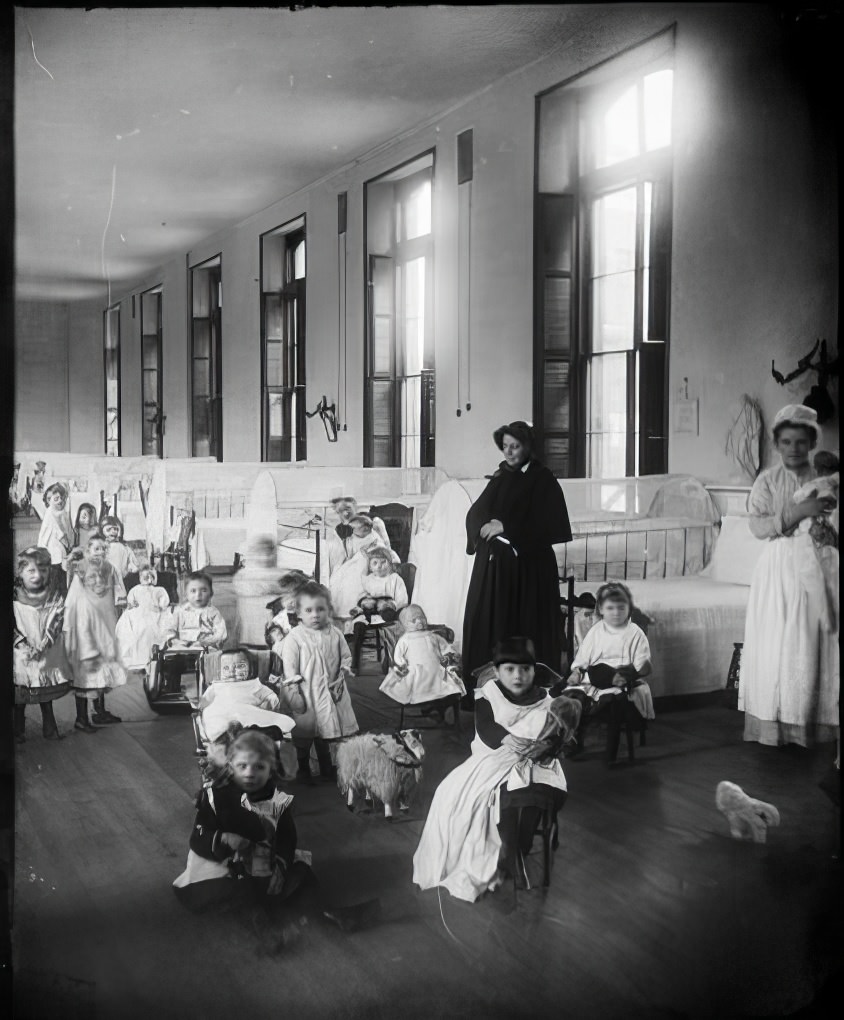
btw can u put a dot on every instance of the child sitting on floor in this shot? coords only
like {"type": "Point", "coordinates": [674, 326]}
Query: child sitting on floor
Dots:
{"type": "Point", "coordinates": [243, 847]}
{"type": "Point", "coordinates": [195, 623]}
{"type": "Point", "coordinates": [424, 666]}
{"type": "Point", "coordinates": [40, 669]}
{"type": "Point", "coordinates": [141, 626]}
{"type": "Point", "coordinates": [119, 554]}
{"type": "Point", "coordinates": [383, 593]}
{"type": "Point", "coordinates": [608, 669]}
{"type": "Point", "coordinates": [485, 812]}
{"type": "Point", "coordinates": [316, 663]}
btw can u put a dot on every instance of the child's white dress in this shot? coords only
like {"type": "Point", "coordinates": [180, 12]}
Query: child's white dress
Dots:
{"type": "Point", "coordinates": [187, 623]}
{"type": "Point", "coordinates": [346, 581]}
{"type": "Point", "coordinates": [40, 668]}
{"type": "Point", "coordinates": [90, 642]}
{"type": "Point", "coordinates": [389, 587]}
{"type": "Point", "coordinates": [142, 624]}
{"type": "Point", "coordinates": [421, 651]}
{"type": "Point", "coordinates": [317, 656]}
{"type": "Point", "coordinates": [56, 534]}
{"type": "Point", "coordinates": [623, 646]}
{"type": "Point", "coordinates": [460, 843]}
{"type": "Point", "coordinates": [248, 702]}
{"type": "Point", "coordinates": [121, 558]}
{"type": "Point", "coordinates": [818, 564]}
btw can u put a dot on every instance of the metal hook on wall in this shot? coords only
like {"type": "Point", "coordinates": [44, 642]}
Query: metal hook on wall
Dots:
{"type": "Point", "coordinates": [328, 414]}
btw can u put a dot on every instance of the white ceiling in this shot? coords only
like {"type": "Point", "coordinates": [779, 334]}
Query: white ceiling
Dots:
{"type": "Point", "coordinates": [138, 132]}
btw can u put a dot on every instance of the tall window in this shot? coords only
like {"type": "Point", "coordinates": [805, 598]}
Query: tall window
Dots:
{"type": "Point", "coordinates": [603, 259]}
{"type": "Point", "coordinates": [399, 420]}
{"type": "Point", "coordinates": [283, 266]}
{"type": "Point", "coordinates": [206, 287]}
{"type": "Point", "coordinates": [111, 354]}
{"type": "Point", "coordinates": [152, 424]}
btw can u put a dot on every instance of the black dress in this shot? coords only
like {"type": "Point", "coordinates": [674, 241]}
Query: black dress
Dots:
{"type": "Point", "coordinates": [514, 588]}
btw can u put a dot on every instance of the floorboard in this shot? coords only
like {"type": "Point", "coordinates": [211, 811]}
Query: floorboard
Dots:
{"type": "Point", "coordinates": [653, 910]}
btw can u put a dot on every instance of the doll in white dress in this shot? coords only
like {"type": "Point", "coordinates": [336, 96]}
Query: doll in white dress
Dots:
{"type": "Point", "coordinates": [141, 625]}
{"type": "Point", "coordinates": [424, 667]}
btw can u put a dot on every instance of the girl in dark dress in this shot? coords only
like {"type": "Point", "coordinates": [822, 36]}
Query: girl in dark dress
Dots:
{"type": "Point", "coordinates": [511, 529]}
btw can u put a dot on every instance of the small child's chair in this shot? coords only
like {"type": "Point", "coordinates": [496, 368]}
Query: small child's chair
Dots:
{"type": "Point", "coordinates": [442, 704]}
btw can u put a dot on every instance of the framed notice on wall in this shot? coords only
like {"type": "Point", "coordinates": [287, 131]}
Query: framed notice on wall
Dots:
{"type": "Point", "coordinates": [686, 416]}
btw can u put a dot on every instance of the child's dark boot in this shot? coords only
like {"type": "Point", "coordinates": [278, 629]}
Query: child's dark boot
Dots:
{"type": "Point", "coordinates": [20, 724]}
{"type": "Point", "coordinates": [82, 722]}
{"type": "Point", "coordinates": [101, 716]}
{"type": "Point", "coordinates": [49, 729]}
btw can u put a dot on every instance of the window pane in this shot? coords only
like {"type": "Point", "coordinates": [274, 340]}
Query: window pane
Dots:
{"type": "Point", "coordinates": [658, 89]}
{"type": "Point", "coordinates": [617, 130]}
{"type": "Point", "coordinates": [612, 312]}
{"type": "Point", "coordinates": [417, 211]}
{"type": "Point", "coordinates": [414, 316]}
{"type": "Point", "coordinates": [614, 232]}
{"type": "Point", "coordinates": [557, 314]}
{"type": "Point", "coordinates": [382, 408]}
{"type": "Point", "coordinates": [275, 365]}
{"type": "Point", "coordinates": [557, 455]}
{"type": "Point", "coordinates": [608, 416]}
{"type": "Point", "coordinates": [299, 261]}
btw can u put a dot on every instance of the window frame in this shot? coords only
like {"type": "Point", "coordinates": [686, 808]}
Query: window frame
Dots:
{"type": "Point", "coordinates": [160, 417]}
{"type": "Point", "coordinates": [215, 366]}
{"type": "Point", "coordinates": [112, 309]}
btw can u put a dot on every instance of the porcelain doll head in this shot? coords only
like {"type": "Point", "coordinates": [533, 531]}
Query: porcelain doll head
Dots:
{"type": "Point", "coordinates": [361, 525]}
{"type": "Point", "coordinates": [614, 603]}
{"type": "Point", "coordinates": [252, 760]}
{"type": "Point", "coordinates": [198, 589]}
{"type": "Point", "coordinates": [514, 660]}
{"type": "Point", "coordinates": [413, 618]}
{"type": "Point", "coordinates": [148, 577]}
{"type": "Point", "coordinates": [33, 571]}
{"type": "Point", "coordinates": [112, 529]}
{"type": "Point", "coordinates": [313, 606]}
{"type": "Point", "coordinates": [235, 666]}
{"type": "Point", "coordinates": [55, 497]}
{"type": "Point", "coordinates": [86, 516]}
{"type": "Point", "coordinates": [378, 562]}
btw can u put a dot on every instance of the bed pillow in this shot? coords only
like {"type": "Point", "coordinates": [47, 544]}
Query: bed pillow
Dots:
{"type": "Point", "coordinates": [736, 554]}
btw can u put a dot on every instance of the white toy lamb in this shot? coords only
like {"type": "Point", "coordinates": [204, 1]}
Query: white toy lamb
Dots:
{"type": "Point", "coordinates": [748, 818]}
{"type": "Point", "coordinates": [381, 766]}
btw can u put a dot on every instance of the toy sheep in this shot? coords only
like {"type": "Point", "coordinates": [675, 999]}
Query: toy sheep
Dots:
{"type": "Point", "coordinates": [381, 766]}
{"type": "Point", "coordinates": [748, 818]}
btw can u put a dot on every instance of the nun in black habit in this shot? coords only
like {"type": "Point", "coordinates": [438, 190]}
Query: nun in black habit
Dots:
{"type": "Point", "coordinates": [511, 528]}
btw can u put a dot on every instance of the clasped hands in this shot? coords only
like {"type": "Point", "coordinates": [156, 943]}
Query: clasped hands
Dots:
{"type": "Point", "coordinates": [491, 529]}
{"type": "Point", "coordinates": [526, 747]}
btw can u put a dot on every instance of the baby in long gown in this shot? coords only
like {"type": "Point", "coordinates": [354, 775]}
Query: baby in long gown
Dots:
{"type": "Point", "coordinates": [141, 625]}
{"type": "Point", "coordinates": [424, 664]}
{"type": "Point", "coordinates": [819, 538]}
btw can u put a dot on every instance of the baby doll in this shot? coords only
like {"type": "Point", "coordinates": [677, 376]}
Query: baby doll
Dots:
{"type": "Point", "coordinates": [119, 554]}
{"type": "Point", "coordinates": [139, 628]}
{"type": "Point", "coordinates": [41, 672]}
{"type": "Point", "coordinates": [85, 525]}
{"type": "Point", "coordinates": [89, 636]}
{"type": "Point", "coordinates": [424, 667]}
{"type": "Point", "coordinates": [239, 696]}
{"type": "Point", "coordinates": [56, 534]}
{"type": "Point", "coordinates": [824, 527]}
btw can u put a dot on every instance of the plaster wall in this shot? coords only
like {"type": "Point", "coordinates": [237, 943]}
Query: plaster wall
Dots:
{"type": "Point", "coordinates": [754, 261]}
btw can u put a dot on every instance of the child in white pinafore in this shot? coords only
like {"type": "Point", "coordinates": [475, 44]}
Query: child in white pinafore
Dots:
{"type": "Point", "coordinates": [316, 662]}
{"type": "Point", "coordinates": [141, 625]}
{"type": "Point", "coordinates": [118, 553]}
{"type": "Point", "coordinates": [41, 671]}
{"type": "Point", "coordinates": [383, 593]}
{"type": "Point", "coordinates": [56, 534]}
{"type": "Point", "coordinates": [423, 668]}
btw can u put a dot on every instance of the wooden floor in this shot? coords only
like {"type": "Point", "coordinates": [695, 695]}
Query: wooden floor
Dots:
{"type": "Point", "coordinates": [653, 911]}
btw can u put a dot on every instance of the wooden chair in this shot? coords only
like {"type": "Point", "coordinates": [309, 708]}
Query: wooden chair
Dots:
{"type": "Point", "coordinates": [398, 520]}
{"type": "Point", "coordinates": [444, 704]}
{"type": "Point", "coordinates": [407, 572]}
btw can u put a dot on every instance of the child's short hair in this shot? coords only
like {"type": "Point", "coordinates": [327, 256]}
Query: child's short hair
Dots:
{"type": "Point", "coordinates": [95, 536]}
{"type": "Point", "coordinates": [256, 742]}
{"type": "Point", "coordinates": [404, 613]}
{"type": "Point", "coordinates": [200, 575]}
{"type": "Point", "coordinates": [378, 552]}
{"type": "Point", "coordinates": [514, 649]}
{"type": "Point", "coordinates": [55, 487]}
{"type": "Point", "coordinates": [240, 650]}
{"type": "Point", "coordinates": [613, 590]}
{"type": "Point", "coordinates": [148, 568]}
{"type": "Point", "coordinates": [825, 462]}
{"type": "Point", "coordinates": [314, 590]}
{"type": "Point", "coordinates": [113, 522]}
{"type": "Point", "coordinates": [36, 554]}
{"type": "Point", "coordinates": [292, 581]}
{"type": "Point", "coordinates": [362, 519]}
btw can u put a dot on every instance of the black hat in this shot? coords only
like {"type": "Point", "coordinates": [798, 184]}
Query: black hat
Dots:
{"type": "Point", "coordinates": [518, 430]}
{"type": "Point", "coordinates": [514, 649]}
